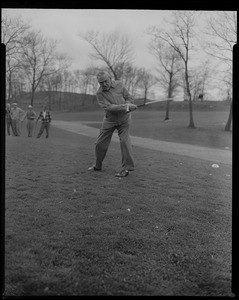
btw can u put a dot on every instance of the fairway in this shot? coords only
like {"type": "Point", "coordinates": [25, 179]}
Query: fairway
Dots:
{"type": "Point", "coordinates": [209, 130]}
{"type": "Point", "coordinates": [163, 230]}
{"type": "Point", "coordinates": [206, 153]}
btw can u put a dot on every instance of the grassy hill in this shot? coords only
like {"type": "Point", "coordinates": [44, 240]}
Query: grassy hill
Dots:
{"type": "Point", "coordinates": [66, 101]}
{"type": "Point", "coordinates": [58, 101]}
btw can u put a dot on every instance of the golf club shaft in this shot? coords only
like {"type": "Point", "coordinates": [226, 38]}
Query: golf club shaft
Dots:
{"type": "Point", "coordinates": [152, 102]}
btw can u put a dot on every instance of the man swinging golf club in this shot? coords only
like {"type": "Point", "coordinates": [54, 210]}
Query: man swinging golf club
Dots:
{"type": "Point", "coordinates": [117, 104]}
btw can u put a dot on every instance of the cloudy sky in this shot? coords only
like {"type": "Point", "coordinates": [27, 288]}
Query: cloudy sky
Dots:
{"type": "Point", "coordinates": [65, 25]}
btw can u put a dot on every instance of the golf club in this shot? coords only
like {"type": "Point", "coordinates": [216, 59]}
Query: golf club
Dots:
{"type": "Point", "coordinates": [147, 103]}
{"type": "Point", "coordinates": [152, 102]}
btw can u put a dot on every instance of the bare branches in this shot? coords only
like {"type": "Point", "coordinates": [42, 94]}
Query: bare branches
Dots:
{"type": "Point", "coordinates": [112, 49]}
{"type": "Point", "coordinates": [29, 55]}
{"type": "Point", "coordinates": [222, 30]}
{"type": "Point", "coordinates": [12, 32]}
{"type": "Point", "coordinates": [40, 59]}
{"type": "Point", "coordinates": [169, 65]}
{"type": "Point", "coordinates": [179, 38]}
{"type": "Point", "coordinates": [199, 79]}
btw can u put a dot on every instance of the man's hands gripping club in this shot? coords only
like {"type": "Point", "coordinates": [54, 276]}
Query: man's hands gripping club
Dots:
{"type": "Point", "coordinates": [130, 107]}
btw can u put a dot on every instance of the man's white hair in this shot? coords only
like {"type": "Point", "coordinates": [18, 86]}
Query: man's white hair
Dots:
{"type": "Point", "coordinates": [103, 75]}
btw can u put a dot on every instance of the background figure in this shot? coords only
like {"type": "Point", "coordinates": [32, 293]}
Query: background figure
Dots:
{"type": "Point", "coordinates": [30, 116]}
{"type": "Point", "coordinates": [45, 117]}
{"type": "Point", "coordinates": [8, 118]}
{"type": "Point", "coordinates": [16, 115]}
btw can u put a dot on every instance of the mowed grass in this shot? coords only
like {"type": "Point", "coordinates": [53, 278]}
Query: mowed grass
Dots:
{"type": "Point", "coordinates": [163, 230]}
{"type": "Point", "coordinates": [209, 130]}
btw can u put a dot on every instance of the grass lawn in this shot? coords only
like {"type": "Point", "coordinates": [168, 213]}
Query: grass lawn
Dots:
{"type": "Point", "coordinates": [209, 130]}
{"type": "Point", "coordinates": [163, 230]}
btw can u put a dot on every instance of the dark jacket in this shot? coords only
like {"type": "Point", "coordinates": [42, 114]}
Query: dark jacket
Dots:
{"type": "Point", "coordinates": [47, 119]}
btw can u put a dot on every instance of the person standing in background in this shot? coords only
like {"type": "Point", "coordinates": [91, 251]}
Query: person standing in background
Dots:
{"type": "Point", "coordinates": [16, 115]}
{"type": "Point", "coordinates": [45, 117]}
{"type": "Point", "coordinates": [30, 116]}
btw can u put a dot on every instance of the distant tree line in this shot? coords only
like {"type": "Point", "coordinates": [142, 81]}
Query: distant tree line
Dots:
{"type": "Point", "coordinates": [34, 64]}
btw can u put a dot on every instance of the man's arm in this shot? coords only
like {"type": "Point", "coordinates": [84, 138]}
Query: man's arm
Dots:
{"type": "Point", "coordinates": [49, 117]}
{"type": "Point", "coordinates": [128, 98]}
{"type": "Point", "coordinates": [126, 106]}
{"type": "Point", "coordinates": [38, 117]}
{"type": "Point", "coordinates": [24, 117]}
{"type": "Point", "coordinates": [20, 111]}
{"type": "Point", "coordinates": [105, 105]}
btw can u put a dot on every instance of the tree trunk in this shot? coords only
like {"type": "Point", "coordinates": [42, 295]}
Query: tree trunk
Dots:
{"type": "Point", "coordinates": [167, 111]}
{"type": "Point", "coordinates": [145, 95]}
{"type": "Point", "coordinates": [229, 121]}
{"type": "Point", "coordinates": [85, 93]}
{"type": "Point", "coordinates": [60, 101]}
{"type": "Point", "coordinates": [114, 73]}
{"type": "Point", "coordinates": [49, 99]}
{"type": "Point", "coordinates": [32, 95]}
{"type": "Point", "coordinates": [191, 122]}
{"type": "Point", "coordinates": [83, 100]}
{"type": "Point", "coordinates": [9, 86]}
{"type": "Point", "coordinates": [168, 102]}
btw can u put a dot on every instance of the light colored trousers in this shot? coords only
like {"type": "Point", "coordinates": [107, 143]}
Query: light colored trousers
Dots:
{"type": "Point", "coordinates": [120, 121]}
{"type": "Point", "coordinates": [30, 127]}
{"type": "Point", "coordinates": [16, 126]}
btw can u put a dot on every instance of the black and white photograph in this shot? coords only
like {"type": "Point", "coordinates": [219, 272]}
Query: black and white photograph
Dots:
{"type": "Point", "coordinates": [118, 135]}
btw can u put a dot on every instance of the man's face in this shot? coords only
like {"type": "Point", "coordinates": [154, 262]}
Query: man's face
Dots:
{"type": "Point", "coordinates": [44, 107]}
{"type": "Point", "coordinates": [106, 84]}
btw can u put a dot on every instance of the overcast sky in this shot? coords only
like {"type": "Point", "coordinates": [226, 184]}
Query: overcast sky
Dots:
{"type": "Point", "coordinates": [65, 25]}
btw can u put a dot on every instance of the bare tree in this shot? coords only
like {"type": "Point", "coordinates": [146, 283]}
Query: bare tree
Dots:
{"type": "Point", "coordinates": [77, 76]}
{"type": "Point", "coordinates": [145, 81]}
{"type": "Point", "coordinates": [12, 33]}
{"type": "Point", "coordinates": [130, 78]}
{"type": "Point", "coordinates": [40, 59]}
{"type": "Point", "coordinates": [53, 85]}
{"type": "Point", "coordinates": [228, 80]}
{"type": "Point", "coordinates": [180, 39]}
{"type": "Point", "coordinates": [56, 85]}
{"type": "Point", "coordinates": [225, 84]}
{"type": "Point", "coordinates": [195, 83]}
{"type": "Point", "coordinates": [113, 49]}
{"type": "Point", "coordinates": [199, 78]}
{"type": "Point", "coordinates": [17, 84]}
{"type": "Point", "coordinates": [86, 75]}
{"type": "Point", "coordinates": [93, 82]}
{"type": "Point", "coordinates": [66, 79]}
{"type": "Point", "coordinates": [168, 69]}
{"type": "Point", "coordinates": [12, 70]}
{"type": "Point", "coordinates": [222, 30]}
